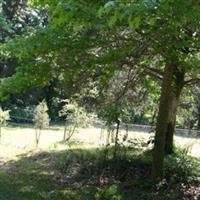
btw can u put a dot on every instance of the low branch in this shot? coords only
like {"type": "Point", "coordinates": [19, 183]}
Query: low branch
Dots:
{"type": "Point", "coordinates": [158, 71]}
{"type": "Point", "coordinates": [192, 81]}
{"type": "Point", "coordinates": [154, 72]}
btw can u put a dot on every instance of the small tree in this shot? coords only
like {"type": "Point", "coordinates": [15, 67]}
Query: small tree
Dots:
{"type": "Point", "coordinates": [41, 119]}
{"type": "Point", "coordinates": [4, 116]}
{"type": "Point", "coordinates": [113, 115]}
{"type": "Point", "coordinates": [75, 117]}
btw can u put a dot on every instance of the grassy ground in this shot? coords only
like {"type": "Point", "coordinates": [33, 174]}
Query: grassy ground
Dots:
{"type": "Point", "coordinates": [83, 171]}
{"type": "Point", "coordinates": [80, 174]}
{"type": "Point", "coordinates": [18, 140]}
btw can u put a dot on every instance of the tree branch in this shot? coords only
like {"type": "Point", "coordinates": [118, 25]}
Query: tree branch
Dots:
{"type": "Point", "coordinates": [192, 81]}
{"type": "Point", "coordinates": [154, 72]}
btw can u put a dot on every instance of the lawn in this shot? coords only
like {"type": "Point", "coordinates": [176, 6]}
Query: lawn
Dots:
{"type": "Point", "coordinates": [18, 140]}
{"type": "Point", "coordinates": [84, 171]}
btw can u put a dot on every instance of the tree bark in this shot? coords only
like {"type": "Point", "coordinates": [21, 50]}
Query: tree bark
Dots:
{"type": "Point", "coordinates": [173, 82]}
{"type": "Point", "coordinates": [175, 98]}
{"type": "Point", "coordinates": [37, 136]}
{"type": "Point", "coordinates": [65, 130]}
{"type": "Point", "coordinates": [71, 132]}
{"type": "Point", "coordinates": [198, 120]}
{"type": "Point", "coordinates": [162, 119]}
{"type": "Point", "coordinates": [116, 140]}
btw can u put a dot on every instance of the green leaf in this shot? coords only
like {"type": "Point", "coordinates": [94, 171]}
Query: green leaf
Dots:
{"type": "Point", "coordinates": [134, 23]}
{"type": "Point", "coordinates": [112, 21]}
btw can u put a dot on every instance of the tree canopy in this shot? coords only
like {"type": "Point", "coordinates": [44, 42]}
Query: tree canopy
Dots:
{"type": "Point", "coordinates": [83, 41]}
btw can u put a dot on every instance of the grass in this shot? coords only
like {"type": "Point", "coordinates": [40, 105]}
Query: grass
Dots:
{"type": "Point", "coordinates": [32, 179]}
{"type": "Point", "coordinates": [85, 172]}
{"type": "Point", "coordinates": [18, 140]}
{"type": "Point", "coordinates": [93, 174]}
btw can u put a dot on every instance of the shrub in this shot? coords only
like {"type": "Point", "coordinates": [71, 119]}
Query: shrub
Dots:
{"type": "Point", "coordinates": [4, 117]}
{"type": "Point", "coordinates": [22, 114]}
{"type": "Point", "coordinates": [75, 116]}
{"type": "Point", "coordinates": [109, 193]}
{"type": "Point", "coordinates": [41, 119]}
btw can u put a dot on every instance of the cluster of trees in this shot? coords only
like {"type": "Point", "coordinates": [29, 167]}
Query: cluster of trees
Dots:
{"type": "Point", "coordinates": [75, 117]}
{"type": "Point", "coordinates": [126, 59]}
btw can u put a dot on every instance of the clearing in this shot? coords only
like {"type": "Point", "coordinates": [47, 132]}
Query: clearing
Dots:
{"type": "Point", "coordinates": [19, 140]}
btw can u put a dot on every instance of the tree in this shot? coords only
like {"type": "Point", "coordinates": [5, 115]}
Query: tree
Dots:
{"type": "Point", "coordinates": [96, 38]}
{"type": "Point", "coordinates": [4, 117]}
{"type": "Point", "coordinates": [41, 119]}
{"type": "Point", "coordinates": [75, 117]}
{"type": "Point", "coordinates": [16, 18]}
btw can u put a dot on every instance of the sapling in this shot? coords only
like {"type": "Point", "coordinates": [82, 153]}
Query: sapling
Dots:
{"type": "Point", "coordinates": [113, 115]}
{"type": "Point", "coordinates": [41, 119]}
{"type": "Point", "coordinates": [4, 117]}
{"type": "Point", "coordinates": [75, 117]}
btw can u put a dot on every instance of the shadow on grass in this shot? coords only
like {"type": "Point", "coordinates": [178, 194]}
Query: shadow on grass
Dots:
{"type": "Point", "coordinates": [79, 174]}
{"type": "Point", "coordinates": [36, 178]}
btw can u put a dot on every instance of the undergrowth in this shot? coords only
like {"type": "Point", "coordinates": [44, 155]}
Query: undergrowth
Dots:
{"type": "Point", "coordinates": [94, 174]}
{"type": "Point", "coordinates": [128, 176]}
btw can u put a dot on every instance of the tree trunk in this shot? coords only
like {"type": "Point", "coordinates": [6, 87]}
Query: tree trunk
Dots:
{"type": "Point", "coordinates": [65, 130]}
{"type": "Point", "coordinates": [162, 119]}
{"type": "Point", "coordinates": [198, 122]}
{"type": "Point", "coordinates": [37, 137]}
{"type": "Point", "coordinates": [173, 82]}
{"type": "Point", "coordinates": [171, 124]}
{"type": "Point", "coordinates": [116, 140]}
{"type": "Point", "coordinates": [175, 98]}
{"type": "Point", "coordinates": [71, 132]}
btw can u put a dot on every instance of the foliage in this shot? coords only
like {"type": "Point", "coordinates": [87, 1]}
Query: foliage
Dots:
{"type": "Point", "coordinates": [98, 30]}
{"type": "Point", "coordinates": [111, 114]}
{"type": "Point", "coordinates": [100, 39]}
{"type": "Point", "coordinates": [109, 193]}
{"type": "Point", "coordinates": [22, 115]}
{"type": "Point", "coordinates": [41, 117]}
{"type": "Point", "coordinates": [189, 112]}
{"type": "Point", "coordinates": [75, 114]}
{"type": "Point", "coordinates": [4, 116]}
{"type": "Point", "coordinates": [182, 167]}
{"type": "Point", "coordinates": [75, 117]}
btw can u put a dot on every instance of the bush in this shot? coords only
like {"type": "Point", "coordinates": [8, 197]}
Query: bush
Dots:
{"type": "Point", "coordinates": [4, 116]}
{"type": "Point", "coordinates": [76, 117]}
{"type": "Point", "coordinates": [109, 193]}
{"type": "Point", "coordinates": [180, 167]}
{"type": "Point", "coordinates": [41, 117]}
{"type": "Point", "coordinates": [22, 115]}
